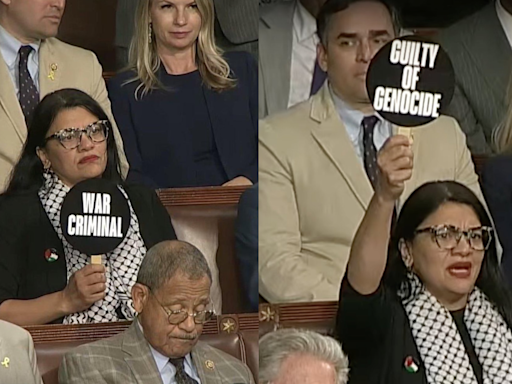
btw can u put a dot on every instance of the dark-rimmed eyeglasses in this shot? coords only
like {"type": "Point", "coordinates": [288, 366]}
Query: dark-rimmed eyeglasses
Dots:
{"type": "Point", "coordinates": [70, 138]}
{"type": "Point", "coordinates": [448, 236]}
{"type": "Point", "coordinates": [179, 316]}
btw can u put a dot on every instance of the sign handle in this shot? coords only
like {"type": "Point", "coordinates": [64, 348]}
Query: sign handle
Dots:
{"type": "Point", "coordinates": [97, 259]}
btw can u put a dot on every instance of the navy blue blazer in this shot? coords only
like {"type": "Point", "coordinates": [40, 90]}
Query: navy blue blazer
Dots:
{"type": "Point", "coordinates": [233, 116]}
{"type": "Point", "coordinates": [497, 188]}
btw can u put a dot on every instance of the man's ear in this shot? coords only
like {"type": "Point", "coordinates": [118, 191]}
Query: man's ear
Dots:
{"type": "Point", "coordinates": [140, 295]}
{"type": "Point", "coordinates": [321, 53]}
{"type": "Point", "coordinates": [405, 252]}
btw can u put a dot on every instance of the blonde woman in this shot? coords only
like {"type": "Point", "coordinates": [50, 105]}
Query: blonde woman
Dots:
{"type": "Point", "coordinates": [496, 180]}
{"type": "Point", "coordinates": [187, 112]}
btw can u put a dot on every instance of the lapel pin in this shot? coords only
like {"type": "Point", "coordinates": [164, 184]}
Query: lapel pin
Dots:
{"type": "Point", "coordinates": [209, 364]}
{"type": "Point", "coordinates": [410, 365]}
{"type": "Point", "coordinates": [53, 69]}
{"type": "Point", "coordinates": [51, 255]}
{"type": "Point", "coordinates": [5, 363]}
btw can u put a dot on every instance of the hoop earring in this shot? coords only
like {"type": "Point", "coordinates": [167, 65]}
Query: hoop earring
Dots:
{"type": "Point", "coordinates": [150, 33]}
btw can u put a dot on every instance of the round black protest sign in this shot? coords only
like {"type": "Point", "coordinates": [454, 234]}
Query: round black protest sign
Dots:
{"type": "Point", "coordinates": [95, 216]}
{"type": "Point", "coordinates": [410, 81]}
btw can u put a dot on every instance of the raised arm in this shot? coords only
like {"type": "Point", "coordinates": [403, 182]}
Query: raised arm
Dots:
{"type": "Point", "coordinates": [368, 253]}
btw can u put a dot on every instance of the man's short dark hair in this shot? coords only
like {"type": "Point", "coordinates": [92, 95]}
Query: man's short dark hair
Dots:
{"type": "Point", "coordinates": [164, 260]}
{"type": "Point", "coordinates": [332, 7]}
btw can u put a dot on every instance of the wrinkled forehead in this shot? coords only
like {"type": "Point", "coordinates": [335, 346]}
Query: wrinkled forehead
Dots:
{"type": "Point", "coordinates": [181, 288]}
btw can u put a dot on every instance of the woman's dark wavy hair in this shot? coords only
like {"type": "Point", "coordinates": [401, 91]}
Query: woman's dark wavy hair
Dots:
{"type": "Point", "coordinates": [27, 174]}
{"type": "Point", "coordinates": [421, 204]}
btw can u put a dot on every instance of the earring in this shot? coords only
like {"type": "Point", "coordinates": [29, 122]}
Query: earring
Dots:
{"type": "Point", "coordinates": [150, 33]}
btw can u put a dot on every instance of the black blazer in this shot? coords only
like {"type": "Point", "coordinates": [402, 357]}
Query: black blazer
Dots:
{"type": "Point", "coordinates": [375, 334]}
{"type": "Point", "coordinates": [26, 233]}
{"type": "Point", "coordinates": [233, 115]}
{"type": "Point", "coordinates": [497, 188]}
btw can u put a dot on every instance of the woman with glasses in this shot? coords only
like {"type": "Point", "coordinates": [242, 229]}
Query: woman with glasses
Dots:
{"type": "Point", "coordinates": [427, 304]}
{"type": "Point", "coordinates": [43, 279]}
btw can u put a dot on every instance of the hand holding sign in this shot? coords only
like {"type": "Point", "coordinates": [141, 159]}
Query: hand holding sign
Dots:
{"type": "Point", "coordinates": [410, 81]}
{"type": "Point", "coordinates": [84, 288]}
{"type": "Point", "coordinates": [395, 161]}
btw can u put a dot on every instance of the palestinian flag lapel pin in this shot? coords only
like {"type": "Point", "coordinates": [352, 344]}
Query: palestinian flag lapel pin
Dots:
{"type": "Point", "coordinates": [51, 255]}
{"type": "Point", "coordinates": [410, 365]}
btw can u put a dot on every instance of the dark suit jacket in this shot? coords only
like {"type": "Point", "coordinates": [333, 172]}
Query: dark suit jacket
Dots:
{"type": "Point", "coordinates": [233, 116]}
{"type": "Point", "coordinates": [482, 60]}
{"type": "Point", "coordinates": [26, 232]}
{"type": "Point", "coordinates": [497, 187]}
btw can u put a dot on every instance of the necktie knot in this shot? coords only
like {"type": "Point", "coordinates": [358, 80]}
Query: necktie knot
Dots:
{"type": "Point", "coordinates": [24, 52]}
{"type": "Point", "coordinates": [369, 123]}
{"type": "Point", "coordinates": [179, 363]}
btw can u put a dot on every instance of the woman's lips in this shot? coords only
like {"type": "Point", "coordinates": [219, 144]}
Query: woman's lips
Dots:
{"type": "Point", "coordinates": [180, 35]}
{"type": "Point", "coordinates": [460, 270]}
{"type": "Point", "coordinates": [88, 159]}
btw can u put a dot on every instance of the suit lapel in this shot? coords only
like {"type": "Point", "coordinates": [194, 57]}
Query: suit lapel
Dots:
{"type": "Point", "coordinates": [276, 54]}
{"type": "Point", "coordinates": [490, 51]}
{"type": "Point", "coordinates": [205, 366]}
{"type": "Point", "coordinates": [10, 104]}
{"type": "Point", "coordinates": [332, 136]}
{"type": "Point", "coordinates": [50, 69]}
{"type": "Point", "coordinates": [138, 356]}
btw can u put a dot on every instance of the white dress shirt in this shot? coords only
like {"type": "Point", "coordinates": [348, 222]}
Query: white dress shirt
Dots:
{"type": "Point", "coordinates": [352, 120]}
{"type": "Point", "coordinates": [168, 371]}
{"type": "Point", "coordinates": [304, 45]}
{"type": "Point", "coordinates": [505, 20]}
{"type": "Point", "coordinates": [9, 47]}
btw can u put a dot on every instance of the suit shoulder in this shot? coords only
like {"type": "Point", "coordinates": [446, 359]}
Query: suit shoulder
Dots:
{"type": "Point", "coordinates": [13, 333]}
{"type": "Point", "coordinates": [277, 6]}
{"type": "Point", "coordinates": [292, 122]}
{"type": "Point", "coordinates": [17, 203]}
{"type": "Point", "coordinates": [68, 50]}
{"type": "Point", "coordinates": [97, 348]}
{"type": "Point", "coordinates": [462, 30]}
{"type": "Point", "coordinates": [498, 167]}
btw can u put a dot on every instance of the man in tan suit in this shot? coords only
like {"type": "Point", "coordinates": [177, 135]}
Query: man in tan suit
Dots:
{"type": "Point", "coordinates": [314, 187]}
{"type": "Point", "coordinates": [18, 364]}
{"type": "Point", "coordinates": [172, 297]}
{"type": "Point", "coordinates": [34, 63]}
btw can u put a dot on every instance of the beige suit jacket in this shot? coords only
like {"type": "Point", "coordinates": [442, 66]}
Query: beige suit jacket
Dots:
{"type": "Point", "coordinates": [76, 68]}
{"type": "Point", "coordinates": [18, 364]}
{"type": "Point", "coordinates": [127, 359]}
{"type": "Point", "coordinates": [314, 192]}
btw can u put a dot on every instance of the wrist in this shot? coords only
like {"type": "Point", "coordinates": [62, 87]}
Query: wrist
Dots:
{"type": "Point", "coordinates": [63, 303]}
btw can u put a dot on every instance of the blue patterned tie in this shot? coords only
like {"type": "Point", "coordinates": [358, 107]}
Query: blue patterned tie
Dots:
{"type": "Point", "coordinates": [370, 151]}
{"type": "Point", "coordinates": [29, 96]}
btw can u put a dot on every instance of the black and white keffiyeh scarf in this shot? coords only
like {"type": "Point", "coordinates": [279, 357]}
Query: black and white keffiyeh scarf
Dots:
{"type": "Point", "coordinates": [440, 345]}
{"type": "Point", "coordinates": [122, 264]}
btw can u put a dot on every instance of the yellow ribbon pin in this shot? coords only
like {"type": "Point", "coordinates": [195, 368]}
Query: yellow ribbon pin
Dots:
{"type": "Point", "coordinates": [53, 68]}
{"type": "Point", "coordinates": [209, 364]}
{"type": "Point", "coordinates": [5, 363]}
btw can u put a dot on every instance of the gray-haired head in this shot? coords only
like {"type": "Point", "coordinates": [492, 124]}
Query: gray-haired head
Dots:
{"type": "Point", "coordinates": [275, 347]}
{"type": "Point", "coordinates": [167, 258]}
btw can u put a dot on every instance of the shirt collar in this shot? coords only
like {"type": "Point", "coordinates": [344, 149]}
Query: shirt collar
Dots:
{"type": "Point", "coordinates": [352, 118]}
{"type": "Point", "coordinates": [304, 24]}
{"type": "Point", "coordinates": [9, 47]}
{"type": "Point", "coordinates": [162, 360]}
